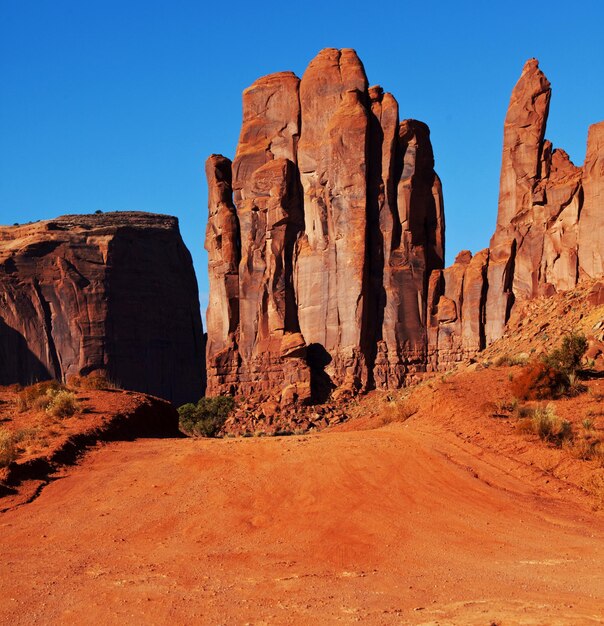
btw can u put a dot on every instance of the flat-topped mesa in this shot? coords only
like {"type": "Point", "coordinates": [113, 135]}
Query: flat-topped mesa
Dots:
{"type": "Point", "coordinates": [113, 293]}
{"type": "Point", "coordinates": [340, 224]}
{"type": "Point", "coordinates": [547, 233]}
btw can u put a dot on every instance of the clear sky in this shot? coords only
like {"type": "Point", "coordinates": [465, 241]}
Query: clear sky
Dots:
{"type": "Point", "coordinates": [115, 104]}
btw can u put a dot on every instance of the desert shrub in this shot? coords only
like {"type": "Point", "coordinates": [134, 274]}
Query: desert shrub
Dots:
{"type": "Point", "coordinates": [574, 386]}
{"type": "Point", "coordinates": [37, 396]}
{"type": "Point", "coordinates": [538, 381]}
{"type": "Point", "coordinates": [587, 449]}
{"type": "Point", "coordinates": [568, 357]}
{"type": "Point", "coordinates": [555, 374]}
{"type": "Point", "coordinates": [544, 423]}
{"type": "Point", "coordinates": [62, 403]}
{"type": "Point", "coordinates": [522, 411]}
{"type": "Point", "coordinates": [508, 361]}
{"type": "Point", "coordinates": [207, 417]}
{"type": "Point", "coordinates": [94, 381]}
{"type": "Point", "coordinates": [8, 449]}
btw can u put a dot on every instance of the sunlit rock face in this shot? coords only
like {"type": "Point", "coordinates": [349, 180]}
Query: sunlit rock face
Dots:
{"type": "Point", "coordinates": [113, 293]}
{"type": "Point", "coordinates": [326, 237]}
{"type": "Point", "coordinates": [335, 221]}
{"type": "Point", "coordinates": [550, 216]}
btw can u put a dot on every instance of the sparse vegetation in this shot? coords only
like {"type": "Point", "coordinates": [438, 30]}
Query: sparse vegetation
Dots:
{"type": "Point", "coordinates": [509, 361]}
{"type": "Point", "coordinates": [396, 411]}
{"type": "Point", "coordinates": [502, 408]}
{"type": "Point", "coordinates": [556, 374]}
{"type": "Point", "coordinates": [8, 449]}
{"type": "Point", "coordinates": [38, 396]}
{"type": "Point", "coordinates": [568, 357]}
{"type": "Point", "coordinates": [538, 381]}
{"type": "Point", "coordinates": [207, 417]}
{"type": "Point", "coordinates": [63, 403]}
{"type": "Point", "coordinates": [543, 422]}
{"type": "Point", "coordinates": [94, 381]}
{"type": "Point", "coordinates": [50, 396]}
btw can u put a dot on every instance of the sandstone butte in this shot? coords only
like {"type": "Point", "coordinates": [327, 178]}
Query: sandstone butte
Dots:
{"type": "Point", "coordinates": [113, 293]}
{"type": "Point", "coordinates": [325, 239]}
{"type": "Point", "coordinates": [326, 234]}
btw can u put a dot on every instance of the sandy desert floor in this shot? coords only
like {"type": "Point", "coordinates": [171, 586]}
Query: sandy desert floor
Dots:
{"type": "Point", "coordinates": [391, 526]}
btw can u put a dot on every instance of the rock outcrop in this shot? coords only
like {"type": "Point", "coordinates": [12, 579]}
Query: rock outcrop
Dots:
{"type": "Point", "coordinates": [550, 211]}
{"type": "Point", "coordinates": [112, 293]}
{"type": "Point", "coordinates": [548, 235]}
{"type": "Point", "coordinates": [326, 237]}
{"type": "Point", "coordinates": [333, 214]}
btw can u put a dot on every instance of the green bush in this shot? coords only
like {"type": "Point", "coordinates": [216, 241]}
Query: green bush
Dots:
{"type": "Point", "coordinates": [567, 358]}
{"type": "Point", "coordinates": [207, 417]}
{"type": "Point", "coordinates": [555, 374]}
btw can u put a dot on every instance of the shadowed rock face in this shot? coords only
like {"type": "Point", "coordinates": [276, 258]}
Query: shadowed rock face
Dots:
{"type": "Point", "coordinates": [330, 238]}
{"type": "Point", "coordinates": [114, 293]}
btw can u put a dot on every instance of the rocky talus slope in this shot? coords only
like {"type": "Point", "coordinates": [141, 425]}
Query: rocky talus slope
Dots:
{"type": "Point", "coordinates": [113, 293]}
{"type": "Point", "coordinates": [326, 237]}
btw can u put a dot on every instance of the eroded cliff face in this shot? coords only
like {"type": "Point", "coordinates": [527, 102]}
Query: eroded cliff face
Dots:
{"type": "Point", "coordinates": [113, 293]}
{"type": "Point", "coordinates": [326, 237]}
{"type": "Point", "coordinates": [337, 220]}
{"type": "Point", "coordinates": [548, 236]}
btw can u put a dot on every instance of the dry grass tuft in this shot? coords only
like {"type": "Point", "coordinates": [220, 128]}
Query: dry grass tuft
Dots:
{"type": "Point", "coordinates": [63, 403]}
{"type": "Point", "coordinates": [543, 422]}
{"type": "Point", "coordinates": [94, 381]}
{"type": "Point", "coordinates": [37, 397]}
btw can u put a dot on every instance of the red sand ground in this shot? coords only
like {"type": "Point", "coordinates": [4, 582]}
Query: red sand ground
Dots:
{"type": "Point", "coordinates": [447, 518]}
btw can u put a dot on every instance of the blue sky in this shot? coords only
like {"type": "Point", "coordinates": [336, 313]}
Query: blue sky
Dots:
{"type": "Point", "coordinates": [115, 105]}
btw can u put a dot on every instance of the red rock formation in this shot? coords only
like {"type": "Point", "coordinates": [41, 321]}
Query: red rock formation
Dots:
{"type": "Point", "coordinates": [548, 208]}
{"type": "Point", "coordinates": [591, 232]}
{"type": "Point", "coordinates": [340, 276]}
{"type": "Point", "coordinates": [262, 348]}
{"type": "Point", "coordinates": [330, 257]}
{"type": "Point", "coordinates": [224, 254]}
{"type": "Point", "coordinates": [415, 247]}
{"type": "Point", "coordinates": [457, 300]}
{"type": "Point", "coordinates": [352, 210]}
{"type": "Point", "coordinates": [521, 165]}
{"type": "Point", "coordinates": [113, 293]}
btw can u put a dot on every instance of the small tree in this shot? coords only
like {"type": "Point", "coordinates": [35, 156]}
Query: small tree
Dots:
{"type": "Point", "coordinates": [567, 358]}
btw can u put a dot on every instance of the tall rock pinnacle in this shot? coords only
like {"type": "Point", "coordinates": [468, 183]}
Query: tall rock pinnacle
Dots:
{"type": "Point", "coordinates": [547, 208]}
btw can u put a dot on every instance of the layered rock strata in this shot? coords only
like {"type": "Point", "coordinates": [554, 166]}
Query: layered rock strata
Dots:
{"type": "Point", "coordinates": [112, 293]}
{"type": "Point", "coordinates": [335, 221]}
{"type": "Point", "coordinates": [326, 237]}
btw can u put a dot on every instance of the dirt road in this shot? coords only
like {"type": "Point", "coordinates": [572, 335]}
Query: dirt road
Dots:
{"type": "Point", "coordinates": [389, 526]}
